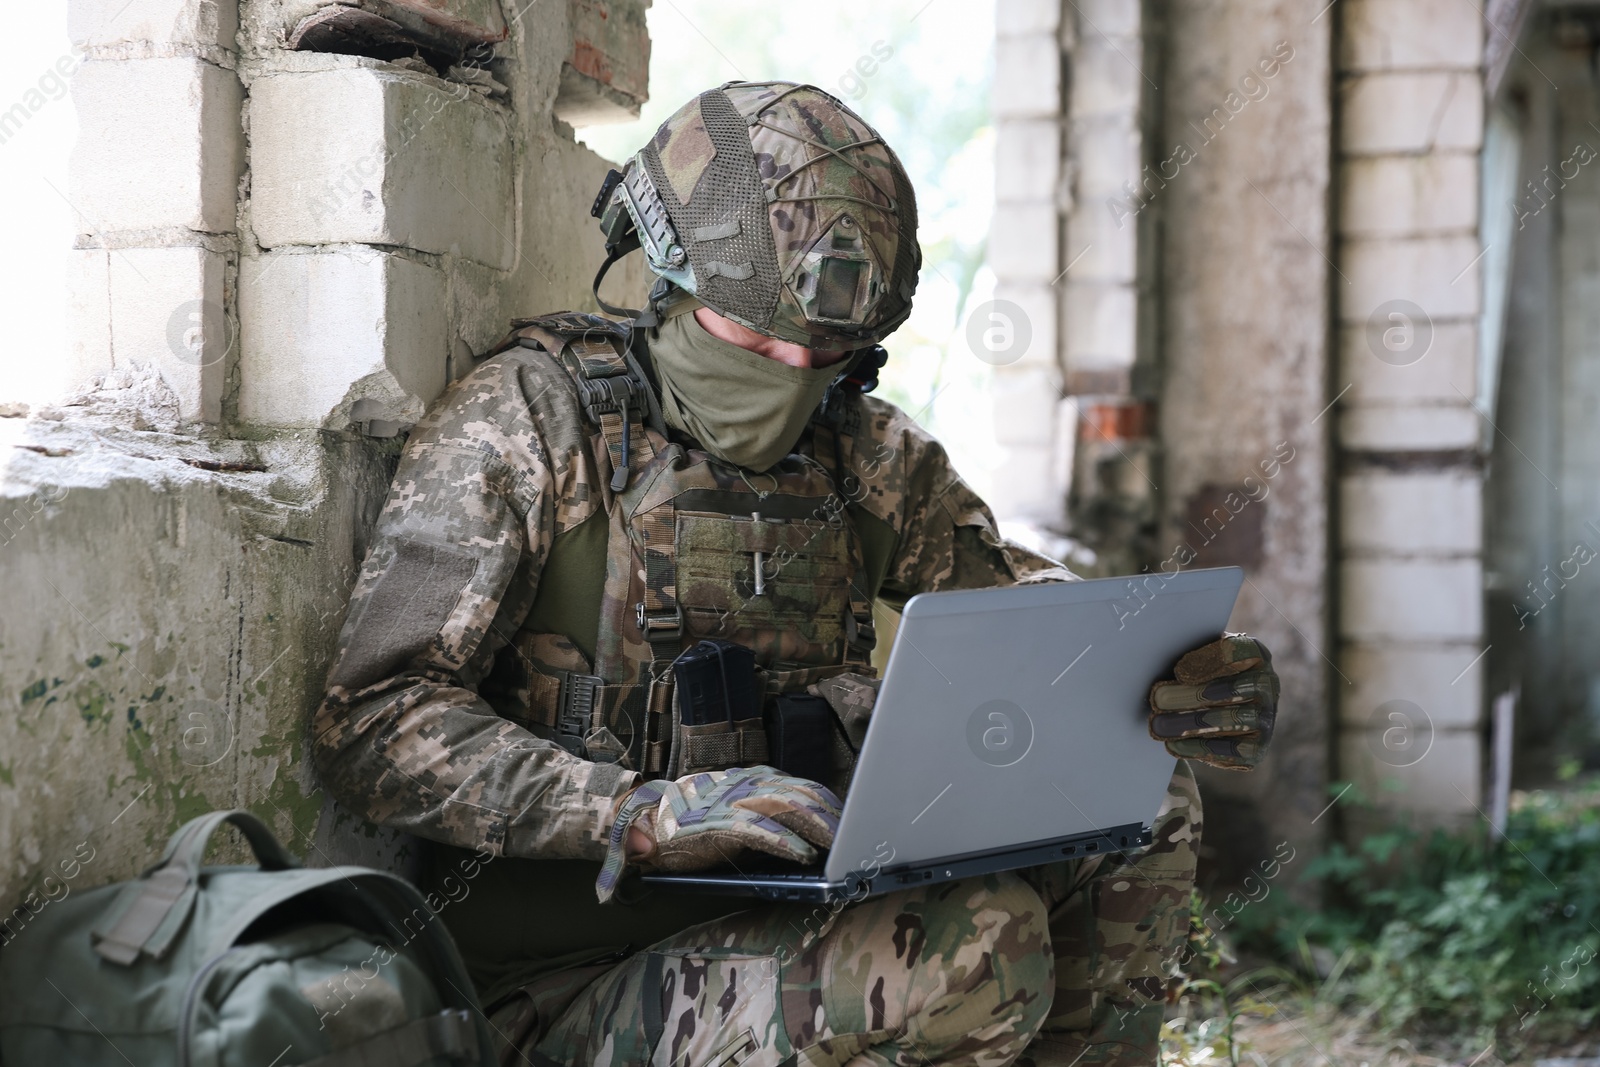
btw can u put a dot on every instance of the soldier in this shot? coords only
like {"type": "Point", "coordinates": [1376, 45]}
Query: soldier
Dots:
{"type": "Point", "coordinates": [600, 496]}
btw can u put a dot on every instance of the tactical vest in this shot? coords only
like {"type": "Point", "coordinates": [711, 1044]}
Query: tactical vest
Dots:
{"type": "Point", "coordinates": [696, 548]}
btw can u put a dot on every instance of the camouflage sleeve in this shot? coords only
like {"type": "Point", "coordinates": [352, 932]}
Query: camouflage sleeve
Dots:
{"type": "Point", "coordinates": [402, 737]}
{"type": "Point", "coordinates": [947, 536]}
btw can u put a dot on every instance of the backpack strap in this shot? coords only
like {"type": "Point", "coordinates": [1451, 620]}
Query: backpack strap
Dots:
{"type": "Point", "coordinates": [148, 913]}
{"type": "Point", "coordinates": [659, 617]}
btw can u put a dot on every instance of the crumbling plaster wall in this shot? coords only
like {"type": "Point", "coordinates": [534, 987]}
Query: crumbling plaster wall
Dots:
{"type": "Point", "coordinates": [283, 258]}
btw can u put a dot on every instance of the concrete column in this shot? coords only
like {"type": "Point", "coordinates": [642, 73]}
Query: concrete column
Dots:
{"type": "Point", "coordinates": [1410, 572]}
{"type": "Point", "coordinates": [1243, 328]}
{"type": "Point", "coordinates": [1069, 102]}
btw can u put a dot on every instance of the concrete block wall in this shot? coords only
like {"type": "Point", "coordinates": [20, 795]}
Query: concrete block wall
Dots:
{"type": "Point", "coordinates": [374, 193]}
{"type": "Point", "coordinates": [1408, 297]}
{"type": "Point", "coordinates": [343, 335]}
{"type": "Point", "coordinates": [1027, 101]}
{"type": "Point", "coordinates": [283, 257]}
{"type": "Point", "coordinates": [607, 72]}
{"type": "Point", "coordinates": [153, 182]}
{"type": "Point", "coordinates": [427, 210]}
{"type": "Point", "coordinates": [1104, 116]}
{"type": "Point", "coordinates": [1109, 212]}
{"type": "Point", "coordinates": [365, 155]}
{"type": "Point", "coordinates": [201, 131]}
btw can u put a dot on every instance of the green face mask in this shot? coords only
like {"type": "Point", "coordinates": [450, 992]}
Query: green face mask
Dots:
{"type": "Point", "coordinates": [740, 406]}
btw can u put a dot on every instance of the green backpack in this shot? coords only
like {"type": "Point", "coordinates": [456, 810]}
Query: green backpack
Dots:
{"type": "Point", "coordinates": [267, 966]}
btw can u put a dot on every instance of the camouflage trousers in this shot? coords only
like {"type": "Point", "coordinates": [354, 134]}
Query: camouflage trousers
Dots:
{"type": "Point", "coordinates": [1048, 967]}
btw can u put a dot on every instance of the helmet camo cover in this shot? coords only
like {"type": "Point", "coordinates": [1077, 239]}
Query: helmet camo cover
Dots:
{"type": "Point", "coordinates": [778, 207]}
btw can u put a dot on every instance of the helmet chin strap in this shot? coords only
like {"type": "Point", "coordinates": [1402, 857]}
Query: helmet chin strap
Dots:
{"type": "Point", "coordinates": [613, 253]}
{"type": "Point", "coordinates": [662, 293]}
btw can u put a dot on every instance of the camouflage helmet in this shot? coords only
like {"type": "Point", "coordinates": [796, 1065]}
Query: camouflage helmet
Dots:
{"type": "Point", "coordinates": [776, 206]}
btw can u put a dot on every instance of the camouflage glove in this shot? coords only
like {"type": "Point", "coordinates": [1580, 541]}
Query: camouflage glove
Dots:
{"type": "Point", "coordinates": [1222, 706]}
{"type": "Point", "coordinates": [705, 819]}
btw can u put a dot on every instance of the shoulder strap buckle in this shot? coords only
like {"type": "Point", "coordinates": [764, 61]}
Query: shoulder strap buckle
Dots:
{"type": "Point", "coordinates": [618, 395]}
{"type": "Point", "coordinates": [612, 388]}
{"type": "Point", "coordinates": [860, 632]}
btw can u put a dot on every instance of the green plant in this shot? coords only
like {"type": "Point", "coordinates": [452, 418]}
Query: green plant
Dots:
{"type": "Point", "coordinates": [1203, 1030]}
{"type": "Point", "coordinates": [1454, 932]}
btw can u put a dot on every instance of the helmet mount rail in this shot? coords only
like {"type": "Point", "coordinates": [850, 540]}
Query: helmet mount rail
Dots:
{"type": "Point", "coordinates": [632, 216]}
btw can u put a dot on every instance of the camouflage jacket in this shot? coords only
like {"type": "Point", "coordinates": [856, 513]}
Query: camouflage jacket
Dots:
{"type": "Point", "coordinates": [496, 525]}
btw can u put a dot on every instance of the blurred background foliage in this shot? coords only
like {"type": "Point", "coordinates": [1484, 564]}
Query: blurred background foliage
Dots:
{"type": "Point", "coordinates": [1455, 940]}
{"type": "Point", "coordinates": [915, 70]}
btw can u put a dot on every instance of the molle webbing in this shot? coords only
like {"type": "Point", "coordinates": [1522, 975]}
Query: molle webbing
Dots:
{"type": "Point", "coordinates": [653, 518]}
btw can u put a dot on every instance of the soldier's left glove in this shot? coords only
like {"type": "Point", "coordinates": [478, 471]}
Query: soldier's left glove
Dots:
{"type": "Point", "coordinates": [1221, 708]}
{"type": "Point", "coordinates": [705, 819]}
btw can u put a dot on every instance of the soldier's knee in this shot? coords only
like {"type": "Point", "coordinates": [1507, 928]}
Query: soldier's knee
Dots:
{"type": "Point", "coordinates": [1020, 944]}
{"type": "Point", "coordinates": [1174, 848]}
{"type": "Point", "coordinates": [998, 973]}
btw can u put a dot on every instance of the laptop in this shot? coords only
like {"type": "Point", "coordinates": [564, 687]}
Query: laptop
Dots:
{"type": "Point", "coordinates": [1010, 731]}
